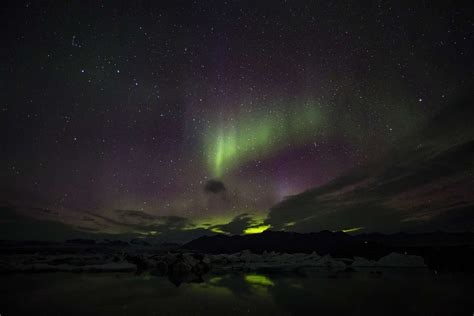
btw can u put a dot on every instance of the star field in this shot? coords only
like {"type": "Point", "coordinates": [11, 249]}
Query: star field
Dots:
{"type": "Point", "coordinates": [137, 105]}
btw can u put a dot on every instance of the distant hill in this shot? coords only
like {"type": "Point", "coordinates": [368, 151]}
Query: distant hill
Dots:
{"type": "Point", "coordinates": [337, 244]}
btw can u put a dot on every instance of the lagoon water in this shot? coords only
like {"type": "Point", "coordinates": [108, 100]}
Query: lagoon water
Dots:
{"type": "Point", "coordinates": [405, 292]}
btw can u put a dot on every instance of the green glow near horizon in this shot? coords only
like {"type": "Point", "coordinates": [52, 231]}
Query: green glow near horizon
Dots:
{"type": "Point", "coordinates": [256, 224]}
{"type": "Point", "coordinates": [258, 279]}
{"type": "Point", "coordinates": [215, 280]}
{"type": "Point", "coordinates": [256, 229]}
{"type": "Point", "coordinates": [350, 230]}
{"type": "Point", "coordinates": [219, 231]}
{"type": "Point", "coordinates": [248, 137]}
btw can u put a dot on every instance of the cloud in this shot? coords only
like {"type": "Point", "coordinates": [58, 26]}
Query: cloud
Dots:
{"type": "Point", "coordinates": [422, 186]}
{"type": "Point", "coordinates": [44, 224]}
{"type": "Point", "coordinates": [134, 214]}
{"type": "Point", "coordinates": [237, 225]}
{"type": "Point", "coordinates": [18, 225]}
{"type": "Point", "coordinates": [146, 221]}
{"type": "Point", "coordinates": [214, 186]}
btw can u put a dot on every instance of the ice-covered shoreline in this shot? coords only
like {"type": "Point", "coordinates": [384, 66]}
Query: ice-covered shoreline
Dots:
{"type": "Point", "coordinates": [199, 264]}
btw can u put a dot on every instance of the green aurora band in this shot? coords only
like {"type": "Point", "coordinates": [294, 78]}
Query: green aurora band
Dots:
{"type": "Point", "coordinates": [256, 136]}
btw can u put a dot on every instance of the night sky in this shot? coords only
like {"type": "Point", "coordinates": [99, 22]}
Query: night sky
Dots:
{"type": "Point", "coordinates": [123, 116]}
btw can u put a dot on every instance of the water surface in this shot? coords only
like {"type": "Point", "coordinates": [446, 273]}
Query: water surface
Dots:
{"type": "Point", "coordinates": [417, 292]}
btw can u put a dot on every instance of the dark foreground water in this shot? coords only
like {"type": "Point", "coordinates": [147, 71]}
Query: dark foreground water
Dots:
{"type": "Point", "coordinates": [390, 293]}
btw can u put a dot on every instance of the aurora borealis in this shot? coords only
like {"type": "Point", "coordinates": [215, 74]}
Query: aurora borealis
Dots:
{"type": "Point", "coordinates": [257, 135]}
{"type": "Point", "coordinates": [180, 119]}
